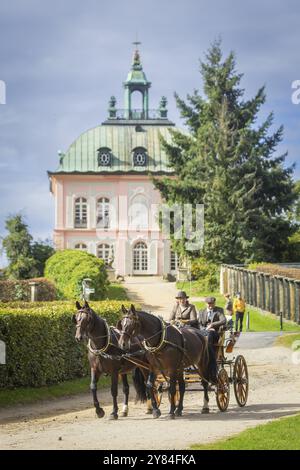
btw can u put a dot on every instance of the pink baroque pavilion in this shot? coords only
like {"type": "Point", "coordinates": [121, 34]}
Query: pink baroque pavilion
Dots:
{"type": "Point", "coordinates": [105, 202]}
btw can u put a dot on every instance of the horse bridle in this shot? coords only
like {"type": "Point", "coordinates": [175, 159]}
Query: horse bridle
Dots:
{"type": "Point", "coordinates": [135, 332]}
{"type": "Point", "coordinates": [100, 351]}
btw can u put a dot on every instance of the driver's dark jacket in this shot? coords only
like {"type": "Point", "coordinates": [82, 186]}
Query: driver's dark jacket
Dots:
{"type": "Point", "coordinates": [218, 319]}
{"type": "Point", "coordinates": [189, 313]}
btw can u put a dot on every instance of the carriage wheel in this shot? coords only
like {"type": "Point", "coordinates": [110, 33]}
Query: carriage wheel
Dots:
{"type": "Point", "coordinates": [223, 390]}
{"type": "Point", "coordinates": [240, 380]}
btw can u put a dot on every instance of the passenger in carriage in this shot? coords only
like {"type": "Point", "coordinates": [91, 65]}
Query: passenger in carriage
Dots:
{"type": "Point", "coordinates": [212, 320]}
{"type": "Point", "coordinates": [183, 313]}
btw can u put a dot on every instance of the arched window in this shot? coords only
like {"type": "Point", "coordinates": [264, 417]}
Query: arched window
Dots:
{"type": "Point", "coordinates": [103, 212]}
{"type": "Point", "coordinates": [140, 257]}
{"type": "Point", "coordinates": [81, 246]}
{"type": "Point", "coordinates": [105, 252]}
{"type": "Point", "coordinates": [80, 213]}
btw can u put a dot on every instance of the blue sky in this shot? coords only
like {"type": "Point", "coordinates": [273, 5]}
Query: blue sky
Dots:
{"type": "Point", "coordinates": [61, 61]}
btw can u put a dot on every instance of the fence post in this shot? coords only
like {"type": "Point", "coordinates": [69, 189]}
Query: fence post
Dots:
{"type": "Point", "coordinates": [248, 321]}
{"type": "Point", "coordinates": [281, 321]}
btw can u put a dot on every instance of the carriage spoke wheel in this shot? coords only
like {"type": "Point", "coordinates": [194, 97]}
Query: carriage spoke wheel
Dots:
{"type": "Point", "coordinates": [223, 390]}
{"type": "Point", "coordinates": [240, 380]}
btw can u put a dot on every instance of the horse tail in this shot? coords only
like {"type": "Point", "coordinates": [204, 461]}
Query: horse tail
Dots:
{"type": "Point", "coordinates": [139, 385]}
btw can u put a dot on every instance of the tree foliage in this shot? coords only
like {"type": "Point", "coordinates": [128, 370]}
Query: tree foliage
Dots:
{"type": "Point", "coordinates": [227, 163]}
{"type": "Point", "coordinates": [26, 257]}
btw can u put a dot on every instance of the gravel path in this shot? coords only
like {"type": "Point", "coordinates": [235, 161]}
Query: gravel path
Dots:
{"type": "Point", "coordinates": [71, 423]}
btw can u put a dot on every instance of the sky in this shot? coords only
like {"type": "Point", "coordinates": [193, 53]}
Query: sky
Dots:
{"type": "Point", "coordinates": [62, 60]}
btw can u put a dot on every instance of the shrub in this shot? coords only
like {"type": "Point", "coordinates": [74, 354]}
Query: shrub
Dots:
{"type": "Point", "coordinates": [206, 273]}
{"type": "Point", "coordinates": [277, 270]}
{"type": "Point", "coordinates": [11, 290]}
{"type": "Point", "coordinates": [68, 268]}
{"type": "Point", "coordinates": [40, 342]}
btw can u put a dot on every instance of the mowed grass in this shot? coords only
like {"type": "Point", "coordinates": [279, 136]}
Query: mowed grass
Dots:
{"type": "Point", "coordinates": [282, 434]}
{"type": "Point", "coordinates": [258, 321]}
{"type": "Point", "coordinates": [288, 340]}
{"type": "Point", "coordinates": [116, 292]}
{"type": "Point", "coordinates": [27, 395]}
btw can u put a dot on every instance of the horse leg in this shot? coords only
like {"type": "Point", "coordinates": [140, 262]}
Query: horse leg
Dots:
{"type": "Point", "coordinates": [172, 393]}
{"type": "Point", "coordinates": [95, 374]}
{"type": "Point", "coordinates": [181, 384]}
{"type": "Point", "coordinates": [126, 395]}
{"type": "Point", "coordinates": [205, 409]}
{"type": "Point", "coordinates": [150, 384]}
{"type": "Point", "coordinates": [114, 393]}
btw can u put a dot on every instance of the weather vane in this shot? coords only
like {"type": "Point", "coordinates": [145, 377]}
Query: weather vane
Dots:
{"type": "Point", "coordinates": [136, 42]}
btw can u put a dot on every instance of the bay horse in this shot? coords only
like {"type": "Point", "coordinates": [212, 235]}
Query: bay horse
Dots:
{"type": "Point", "coordinates": [170, 351]}
{"type": "Point", "coordinates": [105, 357]}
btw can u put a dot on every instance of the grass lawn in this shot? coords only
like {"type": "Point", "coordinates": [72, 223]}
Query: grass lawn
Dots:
{"type": "Point", "coordinates": [258, 321]}
{"type": "Point", "coordinates": [116, 292]}
{"type": "Point", "coordinates": [282, 434]}
{"type": "Point", "coordinates": [26, 395]}
{"type": "Point", "coordinates": [287, 340]}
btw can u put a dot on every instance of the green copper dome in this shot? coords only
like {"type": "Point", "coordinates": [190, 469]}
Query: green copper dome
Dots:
{"type": "Point", "coordinates": [121, 142]}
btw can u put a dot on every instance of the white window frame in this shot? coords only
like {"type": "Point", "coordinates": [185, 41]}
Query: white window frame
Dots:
{"type": "Point", "coordinates": [103, 211]}
{"type": "Point", "coordinates": [81, 207]}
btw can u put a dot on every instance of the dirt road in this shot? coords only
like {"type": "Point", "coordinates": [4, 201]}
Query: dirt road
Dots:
{"type": "Point", "coordinates": [71, 423]}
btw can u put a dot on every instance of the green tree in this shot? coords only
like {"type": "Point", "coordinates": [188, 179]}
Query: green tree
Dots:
{"type": "Point", "coordinates": [41, 251]}
{"type": "Point", "coordinates": [227, 163]}
{"type": "Point", "coordinates": [17, 246]}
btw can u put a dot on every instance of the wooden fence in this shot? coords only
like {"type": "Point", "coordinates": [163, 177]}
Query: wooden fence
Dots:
{"type": "Point", "coordinates": [274, 294]}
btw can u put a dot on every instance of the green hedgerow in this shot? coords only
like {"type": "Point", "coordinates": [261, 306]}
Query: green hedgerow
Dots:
{"type": "Point", "coordinates": [40, 342]}
{"type": "Point", "coordinates": [68, 268]}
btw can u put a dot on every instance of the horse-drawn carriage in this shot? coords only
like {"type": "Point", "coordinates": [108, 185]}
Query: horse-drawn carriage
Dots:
{"type": "Point", "coordinates": [231, 371]}
{"type": "Point", "coordinates": [162, 357]}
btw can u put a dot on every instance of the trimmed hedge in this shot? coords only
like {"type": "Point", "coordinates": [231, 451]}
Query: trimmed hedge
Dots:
{"type": "Point", "coordinates": [11, 290]}
{"type": "Point", "coordinates": [276, 270]}
{"type": "Point", "coordinates": [68, 268]}
{"type": "Point", "coordinates": [40, 342]}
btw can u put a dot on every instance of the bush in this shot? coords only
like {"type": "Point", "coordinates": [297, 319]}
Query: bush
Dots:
{"type": "Point", "coordinates": [276, 270]}
{"type": "Point", "coordinates": [11, 290]}
{"type": "Point", "coordinates": [68, 268]}
{"type": "Point", "coordinates": [206, 273]}
{"type": "Point", "coordinates": [40, 342]}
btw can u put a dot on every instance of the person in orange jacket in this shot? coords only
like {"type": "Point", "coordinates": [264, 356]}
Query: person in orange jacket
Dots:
{"type": "Point", "coordinates": [239, 307]}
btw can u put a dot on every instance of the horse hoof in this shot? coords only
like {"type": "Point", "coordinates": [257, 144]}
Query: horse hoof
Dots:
{"type": "Point", "coordinates": [149, 412]}
{"type": "Point", "coordinates": [113, 416]}
{"type": "Point", "coordinates": [178, 413]}
{"type": "Point", "coordinates": [124, 414]}
{"type": "Point", "coordinates": [100, 412]}
{"type": "Point", "coordinates": [205, 411]}
{"type": "Point", "coordinates": [156, 414]}
{"type": "Point", "coordinates": [171, 416]}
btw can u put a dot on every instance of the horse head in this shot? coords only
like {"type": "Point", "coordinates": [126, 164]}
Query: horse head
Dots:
{"type": "Point", "coordinates": [83, 320]}
{"type": "Point", "coordinates": [129, 327]}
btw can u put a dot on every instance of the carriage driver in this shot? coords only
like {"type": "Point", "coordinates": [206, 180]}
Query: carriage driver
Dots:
{"type": "Point", "coordinates": [212, 320]}
{"type": "Point", "coordinates": [183, 312]}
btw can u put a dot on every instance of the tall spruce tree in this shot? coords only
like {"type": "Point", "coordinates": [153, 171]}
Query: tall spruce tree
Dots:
{"type": "Point", "coordinates": [227, 163]}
